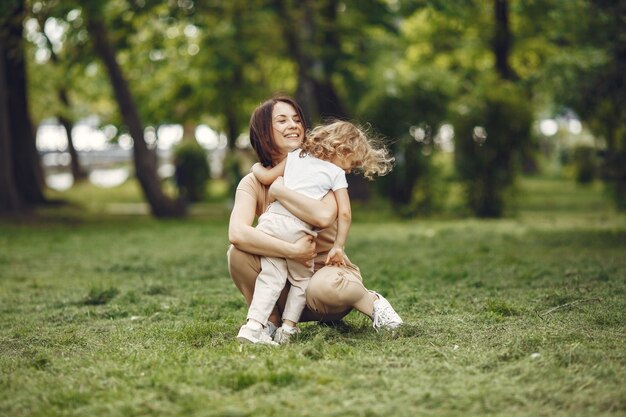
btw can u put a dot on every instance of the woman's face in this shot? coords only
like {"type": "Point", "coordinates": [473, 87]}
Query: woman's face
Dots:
{"type": "Point", "coordinates": [287, 127]}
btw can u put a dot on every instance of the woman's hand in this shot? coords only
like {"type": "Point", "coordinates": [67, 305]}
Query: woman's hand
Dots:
{"type": "Point", "coordinates": [336, 257]}
{"type": "Point", "coordinates": [304, 250]}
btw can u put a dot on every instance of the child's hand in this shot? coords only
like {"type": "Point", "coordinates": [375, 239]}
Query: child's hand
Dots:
{"type": "Point", "coordinates": [256, 167]}
{"type": "Point", "coordinates": [275, 188]}
{"type": "Point", "coordinates": [335, 257]}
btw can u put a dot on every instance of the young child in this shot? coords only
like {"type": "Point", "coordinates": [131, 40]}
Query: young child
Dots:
{"type": "Point", "coordinates": [320, 165]}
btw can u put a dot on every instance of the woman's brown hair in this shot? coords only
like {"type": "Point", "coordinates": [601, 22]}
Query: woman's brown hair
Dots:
{"type": "Point", "coordinates": [261, 132]}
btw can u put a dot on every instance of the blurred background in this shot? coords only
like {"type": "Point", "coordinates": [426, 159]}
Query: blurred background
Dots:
{"type": "Point", "coordinates": [150, 99]}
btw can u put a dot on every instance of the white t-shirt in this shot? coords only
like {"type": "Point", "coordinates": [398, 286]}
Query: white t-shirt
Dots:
{"type": "Point", "coordinates": [311, 176]}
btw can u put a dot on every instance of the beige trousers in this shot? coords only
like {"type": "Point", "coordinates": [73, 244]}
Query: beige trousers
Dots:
{"type": "Point", "coordinates": [280, 223]}
{"type": "Point", "coordinates": [331, 294]}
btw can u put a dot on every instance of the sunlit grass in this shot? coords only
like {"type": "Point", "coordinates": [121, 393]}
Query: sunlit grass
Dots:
{"type": "Point", "coordinates": [121, 314]}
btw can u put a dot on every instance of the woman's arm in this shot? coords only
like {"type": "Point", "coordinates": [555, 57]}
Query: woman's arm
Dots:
{"type": "Point", "coordinates": [245, 237]}
{"type": "Point", "coordinates": [319, 213]}
{"type": "Point", "coordinates": [344, 220]}
{"type": "Point", "coordinates": [266, 176]}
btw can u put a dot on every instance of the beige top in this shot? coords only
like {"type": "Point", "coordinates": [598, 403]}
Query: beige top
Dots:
{"type": "Point", "coordinates": [258, 191]}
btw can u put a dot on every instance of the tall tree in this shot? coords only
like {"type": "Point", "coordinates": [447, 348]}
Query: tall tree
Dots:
{"type": "Point", "coordinates": [502, 40]}
{"type": "Point", "coordinates": [10, 199]}
{"type": "Point", "coordinates": [144, 158]}
{"type": "Point", "coordinates": [27, 171]}
{"type": "Point", "coordinates": [42, 15]}
{"type": "Point", "coordinates": [310, 29]}
{"type": "Point", "coordinates": [241, 59]}
{"type": "Point", "coordinates": [601, 95]}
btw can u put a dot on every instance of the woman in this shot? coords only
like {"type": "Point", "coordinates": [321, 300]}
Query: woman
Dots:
{"type": "Point", "coordinates": [276, 128]}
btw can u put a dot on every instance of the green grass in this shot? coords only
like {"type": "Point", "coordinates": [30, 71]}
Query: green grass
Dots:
{"type": "Point", "coordinates": [128, 316]}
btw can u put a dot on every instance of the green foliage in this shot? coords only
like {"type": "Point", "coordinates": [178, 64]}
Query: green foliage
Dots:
{"type": "Point", "coordinates": [6, 8]}
{"type": "Point", "coordinates": [407, 117]}
{"type": "Point", "coordinates": [491, 127]}
{"type": "Point", "coordinates": [233, 172]}
{"type": "Point", "coordinates": [595, 65]}
{"type": "Point", "coordinates": [192, 171]}
{"type": "Point", "coordinates": [395, 64]}
{"type": "Point", "coordinates": [585, 163]}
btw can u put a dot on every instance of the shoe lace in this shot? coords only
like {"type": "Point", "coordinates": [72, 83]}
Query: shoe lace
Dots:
{"type": "Point", "coordinates": [282, 336]}
{"type": "Point", "coordinates": [384, 315]}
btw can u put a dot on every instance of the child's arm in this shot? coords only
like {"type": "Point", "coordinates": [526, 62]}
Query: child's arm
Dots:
{"type": "Point", "coordinates": [267, 175]}
{"type": "Point", "coordinates": [319, 213]}
{"type": "Point", "coordinates": [344, 218]}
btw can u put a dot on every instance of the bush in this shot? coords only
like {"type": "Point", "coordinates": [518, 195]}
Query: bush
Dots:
{"type": "Point", "coordinates": [422, 105]}
{"type": "Point", "coordinates": [192, 171]}
{"type": "Point", "coordinates": [233, 172]}
{"type": "Point", "coordinates": [491, 129]}
{"type": "Point", "coordinates": [585, 164]}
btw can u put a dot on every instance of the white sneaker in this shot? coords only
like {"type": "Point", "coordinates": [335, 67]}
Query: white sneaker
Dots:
{"type": "Point", "coordinates": [249, 335]}
{"type": "Point", "coordinates": [282, 336]}
{"type": "Point", "coordinates": [270, 329]}
{"type": "Point", "coordinates": [385, 317]}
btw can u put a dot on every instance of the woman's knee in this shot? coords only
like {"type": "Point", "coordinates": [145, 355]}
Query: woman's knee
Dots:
{"type": "Point", "coordinates": [335, 287]}
{"type": "Point", "coordinates": [243, 268]}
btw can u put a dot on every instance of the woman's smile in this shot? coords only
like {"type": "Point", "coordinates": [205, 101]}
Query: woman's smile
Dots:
{"type": "Point", "coordinates": [287, 127]}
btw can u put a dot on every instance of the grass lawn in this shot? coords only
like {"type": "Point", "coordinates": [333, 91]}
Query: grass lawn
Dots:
{"type": "Point", "coordinates": [123, 315]}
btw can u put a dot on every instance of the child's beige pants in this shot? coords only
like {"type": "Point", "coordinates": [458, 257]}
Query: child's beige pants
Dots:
{"type": "Point", "coordinates": [278, 222]}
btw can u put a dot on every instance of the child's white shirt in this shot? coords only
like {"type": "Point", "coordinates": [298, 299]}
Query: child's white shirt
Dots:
{"type": "Point", "coordinates": [311, 176]}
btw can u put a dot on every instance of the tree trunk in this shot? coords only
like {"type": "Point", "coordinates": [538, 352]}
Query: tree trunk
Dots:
{"type": "Point", "coordinates": [232, 128]}
{"type": "Point", "coordinates": [328, 102]}
{"type": "Point", "coordinates": [27, 171]}
{"type": "Point", "coordinates": [77, 172]}
{"type": "Point", "coordinates": [10, 201]}
{"type": "Point", "coordinates": [144, 159]}
{"type": "Point", "coordinates": [502, 40]}
{"type": "Point", "coordinates": [315, 92]}
{"type": "Point", "coordinates": [293, 30]}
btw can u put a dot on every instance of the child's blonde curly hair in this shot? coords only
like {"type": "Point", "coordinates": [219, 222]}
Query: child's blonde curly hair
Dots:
{"type": "Point", "coordinates": [342, 140]}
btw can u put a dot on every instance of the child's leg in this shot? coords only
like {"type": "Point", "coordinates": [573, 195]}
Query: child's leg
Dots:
{"type": "Point", "coordinates": [244, 269]}
{"type": "Point", "coordinates": [269, 284]}
{"type": "Point", "coordinates": [299, 276]}
{"type": "Point", "coordinates": [296, 301]}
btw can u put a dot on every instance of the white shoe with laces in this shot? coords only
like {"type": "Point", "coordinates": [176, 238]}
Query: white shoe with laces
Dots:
{"type": "Point", "coordinates": [282, 335]}
{"type": "Point", "coordinates": [384, 316]}
{"type": "Point", "coordinates": [270, 329]}
{"type": "Point", "coordinates": [248, 334]}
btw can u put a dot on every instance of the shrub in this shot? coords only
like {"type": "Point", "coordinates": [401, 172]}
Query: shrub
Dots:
{"type": "Point", "coordinates": [491, 128]}
{"type": "Point", "coordinates": [585, 164]}
{"type": "Point", "coordinates": [232, 171]}
{"type": "Point", "coordinates": [418, 105]}
{"type": "Point", "coordinates": [192, 171]}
